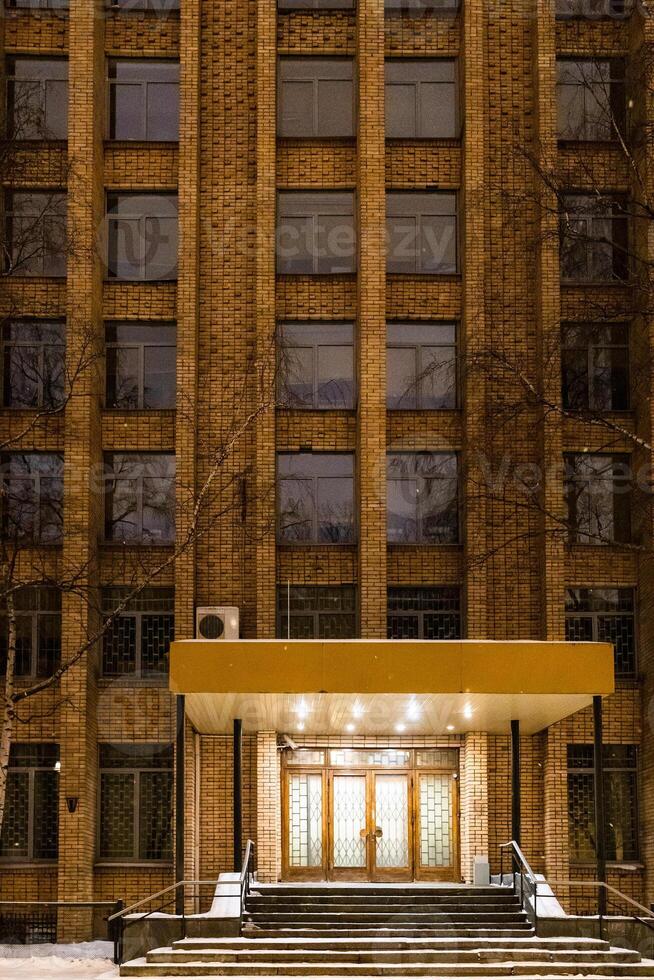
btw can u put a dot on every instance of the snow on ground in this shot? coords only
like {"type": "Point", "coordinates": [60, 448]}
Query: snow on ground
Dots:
{"type": "Point", "coordinates": [85, 961]}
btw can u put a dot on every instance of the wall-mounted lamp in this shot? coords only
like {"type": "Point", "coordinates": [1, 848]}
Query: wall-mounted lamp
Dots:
{"type": "Point", "coordinates": [71, 803]}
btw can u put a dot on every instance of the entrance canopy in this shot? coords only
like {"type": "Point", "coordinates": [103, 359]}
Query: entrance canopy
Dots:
{"type": "Point", "coordinates": [380, 687]}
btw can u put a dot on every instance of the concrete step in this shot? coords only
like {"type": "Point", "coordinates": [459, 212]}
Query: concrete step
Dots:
{"type": "Point", "coordinates": [386, 898]}
{"type": "Point", "coordinates": [387, 932]}
{"type": "Point", "coordinates": [364, 915]}
{"type": "Point", "coordinates": [142, 968]}
{"type": "Point", "coordinates": [455, 945]}
{"type": "Point", "coordinates": [277, 908]}
{"type": "Point", "coordinates": [378, 888]}
{"type": "Point", "coordinates": [377, 956]}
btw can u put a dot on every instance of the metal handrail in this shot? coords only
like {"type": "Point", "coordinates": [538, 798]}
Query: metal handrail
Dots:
{"type": "Point", "coordinates": [247, 873]}
{"type": "Point", "coordinates": [519, 861]}
{"type": "Point", "coordinates": [151, 898]}
{"type": "Point", "coordinates": [587, 883]}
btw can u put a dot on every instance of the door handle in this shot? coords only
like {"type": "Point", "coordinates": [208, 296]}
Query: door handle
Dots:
{"type": "Point", "coordinates": [378, 834]}
{"type": "Point", "coordinates": [363, 834]}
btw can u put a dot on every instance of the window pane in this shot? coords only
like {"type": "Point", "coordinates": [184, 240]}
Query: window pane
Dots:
{"type": "Point", "coordinates": [157, 633]}
{"type": "Point", "coordinates": [295, 245]}
{"type": "Point", "coordinates": [296, 377]}
{"type": "Point", "coordinates": [296, 510]}
{"type": "Point", "coordinates": [335, 377]}
{"type": "Point", "coordinates": [46, 815]}
{"type": "Point", "coordinates": [437, 110]}
{"type": "Point", "coordinates": [335, 108]}
{"type": "Point", "coordinates": [126, 111]}
{"type": "Point", "coordinates": [438, 377]}
{"type": "Point", "coordinates": [297, 109]}
{"type": "Point", "coordinates": [163, 111]}
{"type": "Point", "coordinates": [155, 816]}
{"type": "Point", "coordinates": [336, 509]}
{"type": "Point", "coordinates": [22, 370]}
{"type": "Point", "coordinates": [402, 388]}
{"type": "Point", "coordinates": [117, 815]}
{"type": "Point", "coordinates": [335, 243]}
{"type": "Point", "coordinates": [160, 377]}
{"type": "Point", "coordinates": [401, 111]}
{"type": "Point", "coordinates": [402, 504]}
{"type": "Point", "coordinates": [119, 648]}
{"type": "Point", "coordinates": [123, 377]}
{"type": "Point", "coordinates": [14, 841]}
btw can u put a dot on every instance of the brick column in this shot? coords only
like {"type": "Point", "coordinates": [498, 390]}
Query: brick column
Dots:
{"type": "Point", "coordinates": [557, 860]}
{"type": "Point", "coordinates": [265, 315]}
{"type": "Point", "coordinates": [371, 438]}
{"type": "Point", "coordinates": [473, 327]}
{"type": "Point", "coordinates": [269, 808]}
{"type": "Point", "coordinates": [83, 456]}
{"type": "Point", "coordinates": [473, 791]}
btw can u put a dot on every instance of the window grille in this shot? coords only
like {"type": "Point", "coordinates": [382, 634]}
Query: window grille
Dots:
{"type": "Point", "coordinates": [432, 613]}
{"type": "Point", "coordinates": [605, 616]}
{"type": "Point", "coordinates": [317, 612]}
{"type": "Point", "coordinates": [138, 641]}
{"type": "Point", "coordinates": [621, 802]}
{"type": "Point", "coordinates": [31, 822]}
{"type": "Point", "coordinates": [38, 632]}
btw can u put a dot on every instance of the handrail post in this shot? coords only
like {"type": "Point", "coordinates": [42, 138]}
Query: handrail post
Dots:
{"type": "Point", "coordinates": [600, 830]}
{"type": "Point", "coordinates": [501, 865]}
{"type": "Point", "coordinates": [116, 932]}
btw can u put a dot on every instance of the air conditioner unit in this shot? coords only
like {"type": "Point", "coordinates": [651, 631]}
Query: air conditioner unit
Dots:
{"type": "Point", "coordinates": [216, 623]}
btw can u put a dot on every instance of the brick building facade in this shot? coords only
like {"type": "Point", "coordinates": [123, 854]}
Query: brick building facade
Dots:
{"type": "Point", "coordinates": [498, 569]}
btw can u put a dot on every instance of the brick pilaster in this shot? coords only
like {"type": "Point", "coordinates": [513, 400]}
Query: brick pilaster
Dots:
{"type": "Point", "coordinates": [269, 808]}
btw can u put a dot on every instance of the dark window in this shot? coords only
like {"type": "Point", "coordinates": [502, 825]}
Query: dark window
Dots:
{"type": "Point", "coordinates": [594, 9]}
{"type": "Point", "coordinates": [39, 4]}
{"type": "Point", "coordinates": [428, 613]}
{"type": "Point", "coordinates": [316, 498]}
{"type": "Point", "coordinates": [421, 365]}
{"type": "Point", "coordinates": [36, 233]}
{"type": "Point", "coordinates": [595, 369]}
{"type": "Point", "coordinates": [315, 4]}
{"type": "Point", "coordinates": [318, 612]}
{"type": "Point", "coordinates": [316, 365]}
{"type": "Point", "coordinates": [422, 491]}
{"type": "Point", "coordinates": [143, 100]}
{"type": "Point", "coordinates": [316, 97]}
{"type": "Point", "coordinates": [142, 234]}
{"type": "Point", "coordinates": [605, 616]}
{"type": "Point", "coordinates": [139, 638]}
{"type": "Point", "coordinates": [161, 5]}
{"type": "Point", "coordinates": [38, 632]}
{"type": "Point", "coordinates": [594, 239]}
{"type": "Point", "coordinates": [33, 491]}
{"type": "Point", "coordinates": [37, 98]}
{"type": "Point", "coordinates": [31, 822]}
{"type": "Point", "coordinates": [421, 231]}
{"type": "Point", "coordinates": [316, 233]}
{"type": "Point", "coordinates": [141, 365]}
{"type": "Point", "coordinates": [417, 7]}
{"type": "Point", "coordinates": [598, 493]}
{"type": "Point", "coordinates": [140, 498]}
{"type": "Point", "coordinates": [136, 802]}
{"type": "Point", "coordinates": [591, 99]}
{"type": "Point", "coordinates": [33, 361]}
{"type": "Point", "coordinates": [620, 801]}
{"type": "Point", "coordinates": [421, 97]}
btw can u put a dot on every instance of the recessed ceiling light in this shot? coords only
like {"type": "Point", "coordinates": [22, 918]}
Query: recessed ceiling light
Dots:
{"type": "Point", "coordinates": [302, 709]}
{"type": "Point", "coordinates": [400, 727]}
{"type": "Point", "coordinates": [467, 711]}
{"type": "Point", "coordinates": [349, 727]}
{"type": "Point", "coordinates": [357, 710]}
{"type": "Point", "coordinates": [450, 728]}
{"type": "Point", "coordinates": [300, 726]}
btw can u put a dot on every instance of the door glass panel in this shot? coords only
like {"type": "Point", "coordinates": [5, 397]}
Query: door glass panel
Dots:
{"type": "Point", "coordinates": [369, 757]}
{"type": "Point", "coordinates": [436, 820]}
{"type": "Point", "coordinates": [349, 819]}
{"type": "Point", "coordinates": [392, 816]}
{"type": "Point", "coordinates": [305, 820]}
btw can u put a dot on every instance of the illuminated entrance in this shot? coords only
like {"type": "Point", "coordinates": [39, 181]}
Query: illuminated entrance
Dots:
{"type": "Point", "coordinates": [370, 814]}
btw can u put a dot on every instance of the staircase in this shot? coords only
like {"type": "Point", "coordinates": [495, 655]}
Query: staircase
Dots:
{"type": "Point", "coordinates": [393, 931]}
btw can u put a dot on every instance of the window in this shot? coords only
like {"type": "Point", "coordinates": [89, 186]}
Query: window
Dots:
{"type": "Point", "coordinates": [594, 239]}
{"type": "Point", "coordinates": [318, 612]}
{"type": "Point", "coordinates": [141, 365]}
{"type": "Point", "coordinates": [37, 98]}
{"type": "Point", "coordinates": [143, 99]}
{"type": "Point", "coordinates": [39, 4]}
{"type": "Point", "coordinates": [422, 503]}
{"type": "Point", "coordinates": [33, 361]}
{"type": "Point", "coordinates": [161, 5]}
{"type": "Point", "coordinates": [142, 236]}
{"type": "Point", "coordinates": [315, 4]}
{"type": "Point", "coordinates": [429, 613]}
{"type": "Point", "coordinates": [605, 616]}
{"type": "Point", "coordinates": [421, 232]}
{"type": "Point", "coordinates": [138, 640]}
{"type": "Point", "coordinates": [36, 233]}
{"type": "Point", "coordinates": [620, 801]}
{"type": "Point", "coordinates": [316, 97]}
{"type": "Point", "coordinates": [594, 9]}
{"type": "Point", "coordinates": [30, 827]}
{"type": "Point", "coordinates": [417, 7]}
{"type": "Point", "coordinates": [421, 365]}
{"type": "Point", "coordinates": [38, 632]}
{"type": "Point", "coordinates": [140, 498]}
{"type": "Point", "coordinates": [591, 99]}
{"type": "Point", "coordinates": [598, 492]}
{"type": "Point", "coordinates": [316, 498]}
{"type": "Point", "coordinates": [595, 370]}
{"type": "Point", "coordinates": [33, 490]}
{"type": "Point", "coordinates": [316, 365]}
{"type": "Point", "coordinates": [136, 802]}
{"type": "Point", "coordinates": [421, 99]}
{"type": "Point", "coordinates": [315, 233]}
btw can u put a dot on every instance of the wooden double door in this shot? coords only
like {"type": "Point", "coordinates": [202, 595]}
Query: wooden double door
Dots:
{"type": "Point", "coordinates": [370, 825]}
